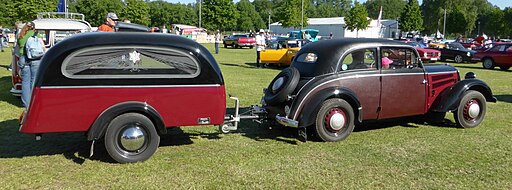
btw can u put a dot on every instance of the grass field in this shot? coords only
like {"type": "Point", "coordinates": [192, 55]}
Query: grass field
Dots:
{"type": "Point", "coordinates": [386, 156]}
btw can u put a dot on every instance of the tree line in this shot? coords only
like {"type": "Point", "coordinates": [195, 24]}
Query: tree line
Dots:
{"type": "Point", "coordinates": [463, 17]}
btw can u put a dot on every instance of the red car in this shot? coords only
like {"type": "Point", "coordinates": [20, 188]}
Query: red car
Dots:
{"type": "Point", "coordinates": [239, 41]}
{"type": "Point", "coordinates": [426, 54]}
{"type": "Point", "coordinates": [500, 55]}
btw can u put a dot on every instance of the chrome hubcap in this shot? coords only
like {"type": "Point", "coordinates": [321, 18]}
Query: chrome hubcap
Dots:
{"type": "Point", "coordinates": [337, 121]}
{"type": "Point", "coordinates": [474, 110]}
{"type": "Point", "coordinates": [277, 84]}
{"type": "Point", "coordinates": [133, 138]}
{"type": "Point", "coordinates": [487, 63]}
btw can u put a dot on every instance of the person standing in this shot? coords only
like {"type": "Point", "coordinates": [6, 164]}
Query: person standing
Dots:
{"type": "Point", "coordinates": [260, 46]}
{"type": "Point", "coordinates": [109, 24]}
{"type": "Point", "coordinates": [217, 41]}
{"type": "Point", "coordinates": [28, 66]}
{"type": "Point", "coordinates": [164, 30]}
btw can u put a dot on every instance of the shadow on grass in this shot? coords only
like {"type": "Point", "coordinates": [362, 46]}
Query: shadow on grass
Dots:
{"type": "Point", "coordinates": [504, 98]}
{"type": "Point", "coordinates": [73, 146]}
{"type": "Point", "coordinates": [5, 95]}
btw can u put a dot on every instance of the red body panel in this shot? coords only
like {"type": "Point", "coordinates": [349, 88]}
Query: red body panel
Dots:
{"type": "Point", "coordinates": [402, 95]}
{"type": "Point", "coordinates": [437, 83]}
{"type": "Point", "coordinates": [75, 109]}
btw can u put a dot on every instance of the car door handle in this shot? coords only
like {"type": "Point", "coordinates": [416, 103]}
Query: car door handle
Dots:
{"type": "Point", "coordinates": [424, 81]}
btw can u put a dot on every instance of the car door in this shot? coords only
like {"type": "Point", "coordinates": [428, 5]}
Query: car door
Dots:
{"type": "Point", "coordinates": [403, 84]}
{"type": "Point", "coordinates": [503, 55]}
{"type": "Point", "coordinates": [273, 53]}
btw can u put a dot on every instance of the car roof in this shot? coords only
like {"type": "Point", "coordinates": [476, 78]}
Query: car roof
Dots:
{"type": "Point", "coordinates": [61, 24]}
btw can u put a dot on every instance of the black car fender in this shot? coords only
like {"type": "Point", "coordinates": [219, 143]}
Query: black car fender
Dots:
{"type": "Point", "coordinates": [310, 110]}
{"type": "Point", "coordinates": [101, 123]}
{"type": "Point", "coordinates": [449, 99]}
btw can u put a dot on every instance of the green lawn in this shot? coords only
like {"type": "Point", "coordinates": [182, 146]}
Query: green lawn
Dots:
{"type": "Point", "coordinates": [390, 156]}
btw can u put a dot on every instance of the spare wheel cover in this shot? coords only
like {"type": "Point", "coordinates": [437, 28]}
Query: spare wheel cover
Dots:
{"type": "Point", "coordinates": [282, 86]}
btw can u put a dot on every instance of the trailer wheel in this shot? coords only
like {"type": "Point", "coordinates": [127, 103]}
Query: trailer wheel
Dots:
{"type": "Point", "coordinates": [131, 137]}
{"type": "Point", "coordinates": [471, 110]}
{"type": "Point", "coordinates": [224, 128]}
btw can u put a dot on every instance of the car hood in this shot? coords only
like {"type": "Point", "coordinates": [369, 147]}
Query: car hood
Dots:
{"type": "Point", "coordinates": [436, 68]}
{"type": "Point", "coordinates": [427, 50]}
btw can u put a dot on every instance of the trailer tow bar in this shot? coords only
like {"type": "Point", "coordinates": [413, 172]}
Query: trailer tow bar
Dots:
{"type": "Point", "coordinates": [256, 113]}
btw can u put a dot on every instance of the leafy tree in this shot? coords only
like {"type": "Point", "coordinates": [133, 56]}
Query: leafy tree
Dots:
{"type": "Point", "coordinates": [7, 13]}
{"type": "Point", "coordinates": [411, 19]}
{"type": "Point", "coordinates": [391, 9]}
{"type": "Point", "coordinates": [249, 18]}
{"type": "Point", "coordinates": [264, 8]}
{"type": "Point", "coordinates": [219, 14]}
{"type": "Point", "coordinates": [137, 11]}
{"type": "Point", "coordinates": [507, 17]}
{"type": "Point", "coordinates": [357, 19]}
{"type": "Point", "coordinates": [95, 11]}
{"type": "Point", "coordinates": [290, 13]}
{"type": "Point", "coordinates": [26, 10]}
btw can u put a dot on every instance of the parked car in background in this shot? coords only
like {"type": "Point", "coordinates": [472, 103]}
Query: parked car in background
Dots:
{"type": "Point", "coordinates": [280, 52]}
{"type": "Point", "coordinates": [426, 54]}
{"type": "Point", "coordinates": [313, 33]}
{"type": "Point", "coordinates": [239, 41]}
{"type": "Point", "coordinates": [334, 84]}
{"type": "Point", "coordinates": [499, 55]}
{"type": "Point", "coordinates": [456, 52]}
{"type": "Point", "coordinates": [53, 27]}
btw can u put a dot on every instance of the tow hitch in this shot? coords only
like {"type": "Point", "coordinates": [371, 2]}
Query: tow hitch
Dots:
{"type": "Point", "coordinates": [256, 113]}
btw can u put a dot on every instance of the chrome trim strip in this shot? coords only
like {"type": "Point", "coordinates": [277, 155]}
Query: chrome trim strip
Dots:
{"type": "Point", "coordinates": [443, 72]}
{"type": "Point", "coordinates": [132, 86]}
{"type": "Point", "coordinates": [349, 77]}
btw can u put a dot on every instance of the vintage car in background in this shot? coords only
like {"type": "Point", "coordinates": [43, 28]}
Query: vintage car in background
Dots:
{"type": "Point", "coordinates": [500, 55]}
{"type": "Point", "coordinates": [426, 54]}
{"type": "Point", "coordinates": [239, 41]}
{"type": "Point", "coordinates": [456, 52]}
{"type": "Point", "coordinates": [280, 52]}
{"type": "Point", "coordinates": [53, 27]}
{"type": "Point", "coordinates": [439, 45]}
{"type": "Point", "coordinates": [334, 84]}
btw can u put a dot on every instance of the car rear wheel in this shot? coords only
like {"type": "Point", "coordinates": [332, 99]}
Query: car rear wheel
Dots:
{"type": "Point", "coordinates": [488, 63]}
{"type": "Point", "coordinates": [471, 110]}
{"type": "Point", "coordinates": [504, 68]}
{"type": "Point", "coordinates": [458, 59]}
{"type": "Point", "coordinates": [335, 120]}
{"type": "Point", "coordinates": [131, 137]}
{"type": "Point", "coordinates": [282, 86]}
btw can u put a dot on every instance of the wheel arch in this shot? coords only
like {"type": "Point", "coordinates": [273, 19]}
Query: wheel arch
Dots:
{"type": "Point", "coordinates": [449, 99]}
{"type": "Point", "coordinates": [101, 123]}
{"type": "Point", "coordinates": [310, 110]}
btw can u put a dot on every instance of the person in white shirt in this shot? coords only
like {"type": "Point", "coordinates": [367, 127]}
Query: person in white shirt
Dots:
{"type": "Point", "coordinates": [164, 30]}
{"type": "Point", "coordinates": [260, 46]}
{"type": "Point", "coordinates": [217, 41]}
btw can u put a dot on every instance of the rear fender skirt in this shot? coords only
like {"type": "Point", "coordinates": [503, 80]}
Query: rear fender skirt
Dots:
{"type": "Point", "coordinates": [449, 99]}
{"type": "Point", "coordinates": [308, 115]}
{"type": "Point", "coordinates": [99, 126]}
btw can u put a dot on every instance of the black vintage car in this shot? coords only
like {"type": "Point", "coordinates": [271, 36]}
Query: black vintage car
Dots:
{"type": "Point", "coordinates": [334, 84]}
{"type": "Point", "coordinates": [456, 52]}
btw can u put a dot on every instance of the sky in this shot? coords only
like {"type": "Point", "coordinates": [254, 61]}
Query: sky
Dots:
{"type": "Point", "coordinates": [500, 3]}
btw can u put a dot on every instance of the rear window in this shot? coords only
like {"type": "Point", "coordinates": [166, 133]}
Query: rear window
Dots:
{"type": "Point", "coordinates": [130, 62]}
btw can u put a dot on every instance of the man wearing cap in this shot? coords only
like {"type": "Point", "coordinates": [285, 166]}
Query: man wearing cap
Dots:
{"type": "Point", "coordinates": [109, 23]}
{"type": "Point", "coordinates": [260, 46]}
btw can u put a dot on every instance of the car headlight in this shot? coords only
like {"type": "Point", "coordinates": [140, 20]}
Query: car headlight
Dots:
{"type": "Point", "coordinates": [290, 52]}
{"type": "Point", "coordinates": [469, 54]}
{"type": "Point", "coordinates": [425, 54]}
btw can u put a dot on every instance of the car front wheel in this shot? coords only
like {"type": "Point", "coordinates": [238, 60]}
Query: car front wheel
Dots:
{"type": "Point", "coordinates": [458, 59]}
{"type": "Point", "coordinates": [488, 63]}
{"type": "Point", "coordinates": [335, 120]}
{"type": "Point", "coordinates": [131, 137]}
{"type": "Point", "coordinates": [471, 110]}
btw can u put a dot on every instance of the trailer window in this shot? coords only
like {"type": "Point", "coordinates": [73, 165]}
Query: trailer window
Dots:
{"type": "Point", "coordinates": [130, 62]}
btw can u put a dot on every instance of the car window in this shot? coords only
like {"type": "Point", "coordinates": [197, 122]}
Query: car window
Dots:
{"type": "Point", "coordinates": [496, 48]}
{"type": "Point", "coordinates": [63, 34]}
{"type": "Point", "coordinates": [360, 59]}
{"type": "Point", "coordinates": [398, 58]}
{"type": "Point", "coordinates": [130, 62]}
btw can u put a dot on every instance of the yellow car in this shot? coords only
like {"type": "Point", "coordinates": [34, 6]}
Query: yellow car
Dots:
{"type": "Point", "coordinates": [437, 45]}
{"type": "Point", "coordinates": [280, 53]}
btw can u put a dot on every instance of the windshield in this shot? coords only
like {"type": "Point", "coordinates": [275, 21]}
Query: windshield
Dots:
{"type": "Point", "coordinates": [456, 46]}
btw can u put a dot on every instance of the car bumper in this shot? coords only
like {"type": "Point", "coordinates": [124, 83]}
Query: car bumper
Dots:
{"type": "Point", "coordinates": [433, 59]}
{"type": "Point", "coordinates": [245, 45]}
{"type": "Point", "coordinates": [286, 121]}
